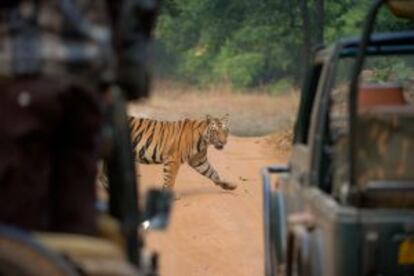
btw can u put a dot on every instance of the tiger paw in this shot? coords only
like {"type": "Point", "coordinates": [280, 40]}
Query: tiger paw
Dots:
{"type": "Point", "coordinates": [227, 185]}
{"type": "Point", "coordinates": [177, 196]}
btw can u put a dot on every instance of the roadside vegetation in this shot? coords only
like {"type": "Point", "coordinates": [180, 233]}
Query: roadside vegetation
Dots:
{"type": "Point", "coordinates": [248, 44]}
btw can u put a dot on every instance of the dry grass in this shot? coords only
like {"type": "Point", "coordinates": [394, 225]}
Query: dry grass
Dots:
{"type": "Point", "coordinates": [252, 113]}
{"type": "Point", "coordinates": [281, 140]}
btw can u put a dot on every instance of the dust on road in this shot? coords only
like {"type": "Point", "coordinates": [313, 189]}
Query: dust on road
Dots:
{"type": "Point", "coordinates": [212, 231]}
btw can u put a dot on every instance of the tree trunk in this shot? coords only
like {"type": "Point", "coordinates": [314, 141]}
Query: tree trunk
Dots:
{"type": "Point", "coordinates": [306, 29]}
{"type": "Point", "coordinates": [291, 13]}
{"type": "Point", "coordinates": [319, 21]}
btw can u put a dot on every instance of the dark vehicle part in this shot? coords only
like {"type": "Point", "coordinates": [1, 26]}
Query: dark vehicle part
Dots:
{"type": "Point", "coordinates": [137, 21]}
{"type": "Point", "coordinates": [123, 203]}
{"type": "Point", "coordinates": [122, 183]}
{"type": "Point", "coordinates": [157, 209]}
{"type": "Point", "coordinates": [127, 58]}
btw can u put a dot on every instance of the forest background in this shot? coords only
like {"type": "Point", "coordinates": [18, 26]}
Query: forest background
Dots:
{"type": "Point", "coordinates": [251, 44]}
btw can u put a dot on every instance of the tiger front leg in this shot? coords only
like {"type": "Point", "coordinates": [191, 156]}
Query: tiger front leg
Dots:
{"type": "Point", "coordinates": [202, 166]}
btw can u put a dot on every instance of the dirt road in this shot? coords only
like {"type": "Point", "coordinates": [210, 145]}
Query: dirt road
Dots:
{"type": "Point", "coordinates": [214, 232]}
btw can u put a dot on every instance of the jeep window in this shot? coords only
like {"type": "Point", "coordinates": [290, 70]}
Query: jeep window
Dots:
{"type": "Point", "coordinates": [395, 71]}
{"type": "Point", "coordinates": [336, 126]}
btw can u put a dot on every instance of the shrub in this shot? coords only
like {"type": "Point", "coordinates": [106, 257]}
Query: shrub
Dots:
{"type": "Point", "coordinates": [281, 86]}
{"type": "Point", "coordinates": [242, 70]}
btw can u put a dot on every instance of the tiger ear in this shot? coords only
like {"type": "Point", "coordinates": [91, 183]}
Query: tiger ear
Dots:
{"type": "Point", "coordinates": [209, 118]}
{"type": "Point", "coordinates": [225, 119]}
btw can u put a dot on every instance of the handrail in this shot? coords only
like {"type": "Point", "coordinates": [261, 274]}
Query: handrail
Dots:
{"type": "Point", "coordinates": [356, 70]}
{"type": "Point", "coordinates": [273, 201]}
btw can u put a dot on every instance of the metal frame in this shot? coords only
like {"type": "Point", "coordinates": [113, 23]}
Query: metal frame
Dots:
{"type": "Point", "coordinates": [316, 150]}
{"type": "Point", "coordinates": [353, 99]}
{"type": "Point", "coordinates": [123, 190]}
{"type": "Point", "coordinates": [274, 229]}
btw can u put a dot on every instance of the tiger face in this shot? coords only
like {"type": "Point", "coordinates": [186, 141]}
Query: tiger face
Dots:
{"type": "Point", "coordinates": [217, 131]}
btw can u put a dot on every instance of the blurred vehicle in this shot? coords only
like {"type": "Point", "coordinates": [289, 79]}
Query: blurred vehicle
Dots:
{"type": "Point", "coordinates": [116, 246]}
{"type": "Point", "coordinates": [344, 203]}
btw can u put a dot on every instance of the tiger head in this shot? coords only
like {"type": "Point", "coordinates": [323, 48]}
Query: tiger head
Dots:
{"type": "Point", "coordinates": [217, 131]}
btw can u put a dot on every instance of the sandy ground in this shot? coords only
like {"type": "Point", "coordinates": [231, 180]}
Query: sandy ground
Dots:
{"type": "Point", "coordinates": [215, 232]}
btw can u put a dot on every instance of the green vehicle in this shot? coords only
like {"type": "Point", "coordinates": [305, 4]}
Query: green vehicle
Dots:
{"type": "Point", "coordinates": [344, 204]}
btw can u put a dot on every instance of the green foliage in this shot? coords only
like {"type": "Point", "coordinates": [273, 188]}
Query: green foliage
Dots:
{"type": "Point", "coordinates": [346, 19]}
{"type": "Point", "coordinates": [391, 69]}
{"type": "Point", "coordinates": [195, 66]}
{"type": "Point", "coordinates": [248, 42]}
{"type": "Point", "coordinates": [242, 70]}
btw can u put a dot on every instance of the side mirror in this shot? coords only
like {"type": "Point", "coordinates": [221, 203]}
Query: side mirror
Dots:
{"type": "Point", "coordinates": [402, 8]}
{"type": "Point", "coordinates": [157, 209]}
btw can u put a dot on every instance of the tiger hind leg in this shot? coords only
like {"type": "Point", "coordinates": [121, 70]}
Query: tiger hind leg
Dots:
{"type": "Point", "coordinates": [170, 173]}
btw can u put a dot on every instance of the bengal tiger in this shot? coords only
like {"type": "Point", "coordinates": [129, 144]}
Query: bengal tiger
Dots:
{"type": "Point", "coordinates": [173, 143]}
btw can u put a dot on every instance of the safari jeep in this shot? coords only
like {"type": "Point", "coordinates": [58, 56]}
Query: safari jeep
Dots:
{"type": "Point", "coordinates": [344, 204]}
